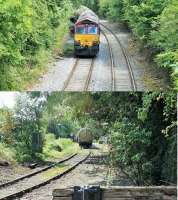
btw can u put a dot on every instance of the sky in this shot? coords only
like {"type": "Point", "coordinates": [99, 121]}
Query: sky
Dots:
{"type": "Point", "coordinates": [8, 99]}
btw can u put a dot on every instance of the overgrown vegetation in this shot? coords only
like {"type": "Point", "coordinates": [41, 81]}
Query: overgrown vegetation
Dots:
{"type": "Point", "coordinates": [7, 153]}
{"type": "Point", "coordinates": [24, 132]}
{"type": "Point", "coordinates": [154, 23]}
{"type": "Point", "coordinates": [56, 148]}
{"type": "Point", "coordinates": [140, 127]}
{"type": "Point", "coordinates": [29, 32]}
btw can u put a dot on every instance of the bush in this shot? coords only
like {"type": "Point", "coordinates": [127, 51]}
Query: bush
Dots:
{"type": "Point", "coordinates": [154, 23]}
{"type": "Point", "coordinates": [7, 153]}
{"type": "Point", "coordinates": [104, 8]}
{"type": "Point", "coordinates": [28, 32]}
{"type": "Point", "coordinates": [166, 39]}
{"type": "Point", "coordinates": [52, 145]}
{"type": "Point", "coordinates": [129, 144]}
{"type": "Point", "coordinates": [108, 8]}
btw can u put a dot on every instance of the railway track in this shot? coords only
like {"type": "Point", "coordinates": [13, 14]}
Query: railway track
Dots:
{"type": "Point", "coordinates": [36, 172]}
{"type": "Point", "coordinates": [29, 183]}
{"type": "Point", "coordinates": [130, 70]}
{"type": "Point", "coordinates": [113, 85]}
{"type": "Point", "coordinates": [80, 75]}
{"type": "Point", "coordinates": [76, 80]}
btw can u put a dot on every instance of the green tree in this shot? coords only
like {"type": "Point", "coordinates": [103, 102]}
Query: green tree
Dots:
{"type": "Point", "coordinates": [29, 31]}
{"type": "Point", "coordinates": [6, 126]}
{"type": "Point", "coordinates": [154, 24]}
{"type": "Point", "coordinates": [28, 132]}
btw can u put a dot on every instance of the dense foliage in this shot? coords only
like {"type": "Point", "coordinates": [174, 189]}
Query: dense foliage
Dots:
{"type": "Point", "coordinates": [141, 129]}
{"type": "Point", "coordinates": [144, 140]}
{"type": "Point", "coordinates": [154, 22]}
{"type": "Point", "coordinates": [29, 31]}
{"type": "Point", "coordinates": [28, 132]}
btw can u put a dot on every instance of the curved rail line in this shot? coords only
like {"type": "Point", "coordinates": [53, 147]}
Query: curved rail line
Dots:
{"type": "Point", "coordinates": [131, 74]}
{"type": "Point", "coordinates": [29, 189]}
{"type": "Point", "coordinates": [36, 172]}
{"type": "Point", "coordinates": [87, 82]}
{"type": "Point", "coordinates": [113, 85]}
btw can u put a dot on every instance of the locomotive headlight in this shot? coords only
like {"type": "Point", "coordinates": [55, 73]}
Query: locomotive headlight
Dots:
{"type": "Point", "coordinates": [77, 42]}
{"type": "Point", "coordinates": [95, 42]}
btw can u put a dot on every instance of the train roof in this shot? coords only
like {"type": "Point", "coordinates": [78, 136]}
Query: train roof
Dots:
{"type": "Point", "coordinates": [88, 15]}
{"type": "Point", "coordinates": [84, 130]}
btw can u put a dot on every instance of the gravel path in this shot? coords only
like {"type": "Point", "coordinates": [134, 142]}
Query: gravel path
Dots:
{"type": "Point", "coordinates": [56, 76]}
{"type": "Point", "coordinates": [101, 76]}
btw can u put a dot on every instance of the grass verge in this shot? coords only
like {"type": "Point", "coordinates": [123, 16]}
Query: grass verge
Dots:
{"type": "Point", "coordinates": [7, 154]}
{"type": "Point", "coordinates": [54, 149]}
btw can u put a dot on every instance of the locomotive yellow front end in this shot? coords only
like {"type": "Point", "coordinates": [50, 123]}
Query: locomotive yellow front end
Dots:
{"type": "Point", "coordinates": [87, 35]}
{"type": "Point", "coordinates": [87, 40]}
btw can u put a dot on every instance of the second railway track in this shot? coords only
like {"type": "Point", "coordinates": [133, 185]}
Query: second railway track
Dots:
{"type": "Point", "coordinates": [130, 70]}
{"type": "Point", "coordinates": [28, 184]}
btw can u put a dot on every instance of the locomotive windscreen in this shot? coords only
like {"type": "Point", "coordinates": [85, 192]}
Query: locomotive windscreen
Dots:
{"type": "Point", "coordinates": [85, 29]}
{"type": "Point", "coordinates": [92, 30]}
{"type": "Point", "coordinates": [81, 30]}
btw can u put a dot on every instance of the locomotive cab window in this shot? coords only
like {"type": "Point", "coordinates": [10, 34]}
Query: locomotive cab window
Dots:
{"type": "Point", "coordinates": [81, 30]}
{"type": "Point", "coordinates": [92, 30]}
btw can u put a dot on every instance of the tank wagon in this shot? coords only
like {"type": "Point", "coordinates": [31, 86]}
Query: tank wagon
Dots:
{"type": "Point", "coordinates": [85, 137]}
{"type": "Point", "coordinates": [87, 34]}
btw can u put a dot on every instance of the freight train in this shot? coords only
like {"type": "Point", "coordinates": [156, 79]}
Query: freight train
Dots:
{"type": "Point", "coordinates": [86, 34]}
{"type": "Point", "coordinates": [85, 137]}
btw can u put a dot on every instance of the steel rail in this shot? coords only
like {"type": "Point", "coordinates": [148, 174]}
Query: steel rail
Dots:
{"type": "Point", "coordinates": [87, 83]}
{"type": "Point", "coordinates": [113, 78]}
{"type": "Point", "coordinates": [27, 190]}
{"type": "Point", "coordinates": [66, 83]}
{"type": "Point", "coordinates": [131, 74]}
{"type": "Point", "coordinates": [36, 172]}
